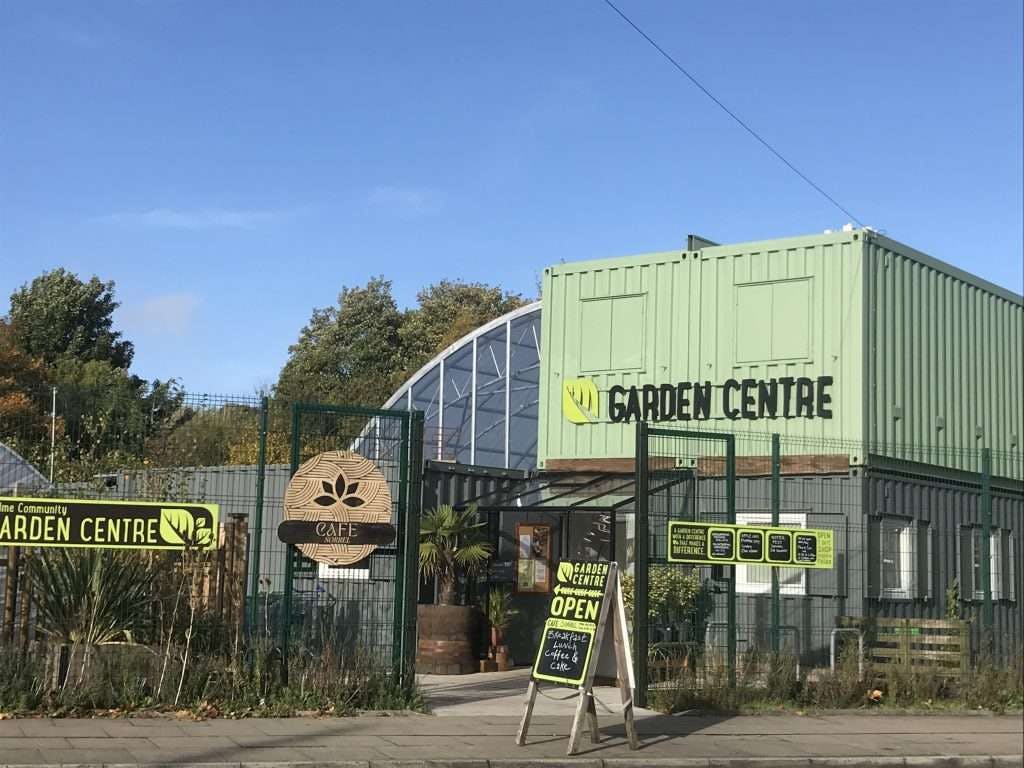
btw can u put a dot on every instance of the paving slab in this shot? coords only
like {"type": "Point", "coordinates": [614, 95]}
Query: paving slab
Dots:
{"type": "Point", "coordinates": [726, 741]}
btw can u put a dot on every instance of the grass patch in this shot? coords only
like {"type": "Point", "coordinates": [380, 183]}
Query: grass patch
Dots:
{"type": "Point", "coordinates": [769, 683]}
{"type": "Point", "coordinates": [255, 682]}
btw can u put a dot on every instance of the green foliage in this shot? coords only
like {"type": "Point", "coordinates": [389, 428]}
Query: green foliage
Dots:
{"type": "Point", "coordinates": [350, 353]}
{"type": "Point", "coordinates": [447, 311]}
{"type": "Point", "coordinates": [953, 600]}
{"type": "Point", "coordinates": [359, 351]}
{"type": "Point", "coordinates": [672, 592]}
{"type": "Point", "coordinates": [58, 316]}
{"type": "Point", "coordinates": [499, 609]}
{"type": "Point", "coordinates": [231, 683]}
{"type": "Point", "coordinates": [92, 597]}
{"type": "Point", "coordinates": [452, 543]}
{"type": "Point", "coordinates": [24, 388]}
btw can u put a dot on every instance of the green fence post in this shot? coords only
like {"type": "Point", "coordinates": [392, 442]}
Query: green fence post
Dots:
{"type": "Point", "coordinates": [986, 542]}
{"type": "Point", "coordinates": [289, 560]}
{"type": "Point", "coordinates": [776, 504]}
{"type": "Point", "coordinates": [403, 640]}
{"type": "Point", "coordinates": [412, 561]}
{"type": "Point", "coordinates": [640, 566]}
{"type": "Point", "coordinates": [730, 510]}
{"type": "Point", "coordinates": [256, 529]}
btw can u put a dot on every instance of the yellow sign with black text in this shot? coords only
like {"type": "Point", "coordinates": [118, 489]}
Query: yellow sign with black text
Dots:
{"type": "Point", "coordinates": [724, 544]}
{"type": "Point", "coordinates": [101, 524]}
{"type": "Point", "coordinates": [567, 643]}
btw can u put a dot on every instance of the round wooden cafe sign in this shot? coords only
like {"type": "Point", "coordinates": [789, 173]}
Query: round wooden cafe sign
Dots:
{"type": "Point", "coordinates": [337, 508]}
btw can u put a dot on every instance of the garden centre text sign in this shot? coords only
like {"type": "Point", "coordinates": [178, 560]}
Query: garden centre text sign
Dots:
{"type": "Point", "coordinates": [721, 543]}
{"type": "Point", "coordinates": [734, 399]}
{"type": "Point", "coordinates": [337, 509]}
{"type": "Point", "coordinates": [102, 524]}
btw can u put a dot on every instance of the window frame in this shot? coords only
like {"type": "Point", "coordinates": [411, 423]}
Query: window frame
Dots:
{"type": "Point", "coordinates": [908, 559]}
{"type": "Point", "coordinates": [744, 585]}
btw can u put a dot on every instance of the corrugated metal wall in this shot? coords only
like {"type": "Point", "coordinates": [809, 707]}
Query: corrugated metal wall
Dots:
{"type": "Point", "coordinates": [753, 310]}
{"type": "Point", "coordinates": [945, 368]}
{"type": "Point", "coordinates": [948, 507]}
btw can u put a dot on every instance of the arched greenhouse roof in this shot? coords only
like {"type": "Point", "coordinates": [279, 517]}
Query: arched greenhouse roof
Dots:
{"type": "Point", "coordinates": [479, 396]}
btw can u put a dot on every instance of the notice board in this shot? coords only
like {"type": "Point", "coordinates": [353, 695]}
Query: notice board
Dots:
{"type": "Point", "coordinates": [722, 543]}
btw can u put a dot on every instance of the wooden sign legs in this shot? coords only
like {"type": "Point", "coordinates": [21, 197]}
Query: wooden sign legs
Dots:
{"type": "Point", "coordinates": [524, 726]}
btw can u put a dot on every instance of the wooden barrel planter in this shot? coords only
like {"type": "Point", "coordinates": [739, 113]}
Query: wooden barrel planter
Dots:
{"type": "Point", "coordinates": [446, 641]}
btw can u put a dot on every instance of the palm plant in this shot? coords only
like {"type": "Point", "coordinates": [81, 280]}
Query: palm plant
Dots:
{"type": "Point", "coordinates": [451, 543]}
{"type": "Point", "coordinates": [499, 613]}
{"type": "Point", "coordinates": [88, 598]}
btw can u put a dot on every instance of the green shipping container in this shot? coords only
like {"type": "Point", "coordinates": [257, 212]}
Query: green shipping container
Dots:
{"type": "Point", "coordinates": [849, 340]}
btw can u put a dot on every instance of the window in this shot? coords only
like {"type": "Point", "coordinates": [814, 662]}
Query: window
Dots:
{"type": "Point", "coordinates": [1001, 563]}
{"type": "Point", "coordinates": [757, 579]}
{"type": "Point", "coordinates": [897, 558]}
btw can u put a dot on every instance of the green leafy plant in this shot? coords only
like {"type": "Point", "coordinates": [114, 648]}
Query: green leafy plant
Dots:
{"type": "Point", "coordinates": [92, 597]}
{"type": "Point", "coordinates": [500, 612]}
{"type": "Point", "coordinates": [452, 543]}
{"type": "Point", "coordinates": [953, 600]}
{"type": "Point", "coordinates": [672, 592]}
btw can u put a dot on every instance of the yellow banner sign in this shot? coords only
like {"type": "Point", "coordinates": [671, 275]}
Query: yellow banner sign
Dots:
{"type": "Point", "coordinates": [721, 543]}
{"type": "Point", "coordinates": [101, 524]}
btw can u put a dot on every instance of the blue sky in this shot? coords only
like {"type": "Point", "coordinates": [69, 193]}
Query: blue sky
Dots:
{"type": "Point", "coordinates": [230, 165]}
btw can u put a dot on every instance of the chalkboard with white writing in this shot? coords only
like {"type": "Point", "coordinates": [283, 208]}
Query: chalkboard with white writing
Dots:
{"type": "Point", "coordinates": [751, 546]}
{"type": "Point", "coordinates": [564, 653]}
{"type": "Point", "coordinates": [780, 546]}
{"type": "Point", "coordinates": [806, 548]}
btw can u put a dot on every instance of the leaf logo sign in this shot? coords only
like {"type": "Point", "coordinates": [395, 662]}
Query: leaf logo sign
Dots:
{"type": "Point", "coordinates": [565, 572]}
{"type": "Point", "coordinates": [580, 401]}
{"type": "Point", "coordinates": [179, 526]}
{"type": "Point", "coordinates": [338, 487]}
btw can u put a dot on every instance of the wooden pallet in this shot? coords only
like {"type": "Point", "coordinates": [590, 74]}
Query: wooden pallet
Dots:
{"type": "Point", "coordinates": [936, 646]}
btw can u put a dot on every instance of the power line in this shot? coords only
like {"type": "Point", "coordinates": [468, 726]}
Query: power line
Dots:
{"type": "Point", "coordinates": [732, 114]}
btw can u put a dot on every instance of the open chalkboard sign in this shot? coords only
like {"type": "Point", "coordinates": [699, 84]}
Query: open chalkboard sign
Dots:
{"type": "Point", "coordinates": [585, 617]}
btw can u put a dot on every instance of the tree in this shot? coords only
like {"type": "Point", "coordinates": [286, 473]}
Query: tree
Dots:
{"type": "Point", "coordinates": [24, 391]}
{"type": "Point", "coordinates": [447, 311]}
{"type": "Point", "coordinates": [58, 316]}
{"type": "Point", "coordinates": [347, 354]}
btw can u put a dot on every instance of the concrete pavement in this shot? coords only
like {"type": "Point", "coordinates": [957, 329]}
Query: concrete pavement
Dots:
{"type": "Point", "coordinates": [767, 741]}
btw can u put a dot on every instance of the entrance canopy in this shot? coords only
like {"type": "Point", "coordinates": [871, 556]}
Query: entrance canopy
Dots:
{"type": "Point", "coordinates": [593, 492]}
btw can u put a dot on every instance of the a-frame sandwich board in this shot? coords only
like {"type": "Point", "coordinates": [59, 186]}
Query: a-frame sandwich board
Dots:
{"type": "Point", "coordinates": [598, 623]}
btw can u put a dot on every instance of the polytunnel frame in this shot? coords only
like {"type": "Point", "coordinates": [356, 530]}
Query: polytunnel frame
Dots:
{"type": "Point", "coordinates": [471, 339]}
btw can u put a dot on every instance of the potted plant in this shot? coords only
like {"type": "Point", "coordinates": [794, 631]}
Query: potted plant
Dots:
{"type": "Point", "coordinates": [452, 544]}
{"type": "Point", "coordinates": [499, 614]}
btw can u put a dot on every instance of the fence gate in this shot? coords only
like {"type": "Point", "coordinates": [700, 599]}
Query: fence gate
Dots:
{"type": "Point", "coordinates": [369, 605]}
{"type": "Point", "coordinates": [668, 462]}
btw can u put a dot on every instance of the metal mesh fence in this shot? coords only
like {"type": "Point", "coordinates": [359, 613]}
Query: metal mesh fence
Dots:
{"type": "Point", "coordinates": [927, 552]}
{"type": "Point", "coordinates": [239, 453]}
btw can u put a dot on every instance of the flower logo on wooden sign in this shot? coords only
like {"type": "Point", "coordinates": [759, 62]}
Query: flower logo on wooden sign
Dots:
{"type": "Point", "coordinates": [338, 488]}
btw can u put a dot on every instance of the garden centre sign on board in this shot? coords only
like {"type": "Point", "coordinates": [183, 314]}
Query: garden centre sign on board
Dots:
{"type": "Point", "coordinates": [102, 524]}
{"type": "Point", "coordinates": [733, 399]}
{"type": "Point", "coordinates": [337, 509]}
{"type": "Point", "coordinates": [721, 543]}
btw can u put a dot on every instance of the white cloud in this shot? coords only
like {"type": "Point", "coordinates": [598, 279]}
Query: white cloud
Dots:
{"type": "Point", "coordinates": [194, 220]}
{"type": "Point", "coordinates": [406, 201]}
{"type": "Point", "coordinates": [170, 314]}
